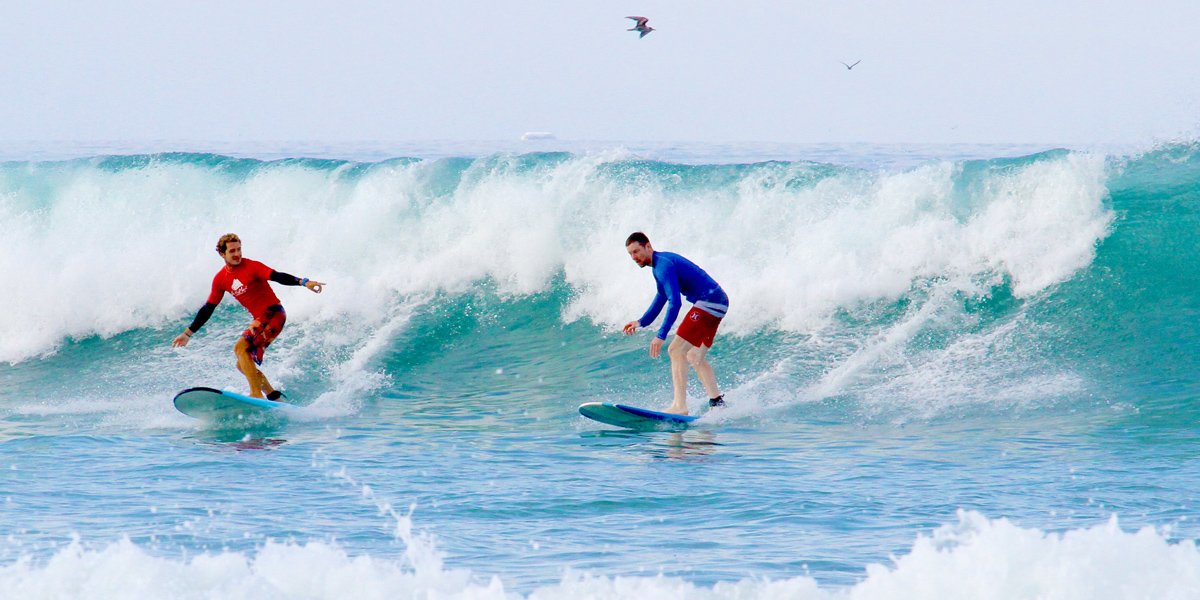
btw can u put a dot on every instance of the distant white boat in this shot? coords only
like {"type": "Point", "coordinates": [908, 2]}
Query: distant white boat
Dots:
{"type": "Point", "coordinates": [537, 135]}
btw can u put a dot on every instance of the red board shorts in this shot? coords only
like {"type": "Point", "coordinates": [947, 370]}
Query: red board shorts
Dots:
{"type": "Point", "coordinates": [264, 330]}
{"type": "Point", "coordinates": [698, 328]}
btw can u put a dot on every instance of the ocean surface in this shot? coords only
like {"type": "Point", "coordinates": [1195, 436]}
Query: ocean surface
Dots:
{"type": "Point", "coordinates": [953, 372]}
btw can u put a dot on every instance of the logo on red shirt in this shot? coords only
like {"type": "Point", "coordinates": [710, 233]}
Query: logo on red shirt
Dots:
{"type": "Point", "coordinates": [250, 286]}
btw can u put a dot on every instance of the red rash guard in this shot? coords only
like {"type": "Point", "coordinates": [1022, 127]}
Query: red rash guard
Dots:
{"type": "Point", "coordinates": [248, 284]}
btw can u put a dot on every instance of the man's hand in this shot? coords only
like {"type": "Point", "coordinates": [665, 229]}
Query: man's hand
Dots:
{"type": "Point", "coordinates": [655, 347]}
{"type": "Point", "coordinates": [315, 286]}
{"type": "Point", "coordinates": [630, 327]}
{"type": "Point", "coordinates": [181, 340]}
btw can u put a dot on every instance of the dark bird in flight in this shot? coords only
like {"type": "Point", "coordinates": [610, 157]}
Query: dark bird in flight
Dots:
{"type": "Point", "coordinates": [641, 26]}
{"type": "Point", "coordinates": [848, 67]}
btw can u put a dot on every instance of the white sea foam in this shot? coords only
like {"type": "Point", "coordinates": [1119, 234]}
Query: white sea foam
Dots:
{"type": "Point", "coordinates": [973, 559]}
{"type": "Point", "coordinates": [96, 251]}
{"type": "Point", "coordinates": [790, 257]}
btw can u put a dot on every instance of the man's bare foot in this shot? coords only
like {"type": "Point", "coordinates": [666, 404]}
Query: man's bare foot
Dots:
{"type": "Point", "coordinates": [677, 409]}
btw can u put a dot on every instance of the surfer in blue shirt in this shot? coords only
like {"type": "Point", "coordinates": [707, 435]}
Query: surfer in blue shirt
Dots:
{"type": "Point", "coordinates": [677, 276]}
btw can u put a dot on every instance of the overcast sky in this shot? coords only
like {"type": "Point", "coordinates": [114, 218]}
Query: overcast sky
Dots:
{"type": "Point", "coordinates": [1053, 71]}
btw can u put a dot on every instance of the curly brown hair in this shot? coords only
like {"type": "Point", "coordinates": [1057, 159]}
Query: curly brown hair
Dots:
{"type": "Point", "coordinates": [224, 241]}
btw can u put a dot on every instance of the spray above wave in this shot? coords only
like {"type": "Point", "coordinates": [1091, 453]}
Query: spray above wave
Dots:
{"type": "Point", "coordinates": [957, 561]}
{"type": "Point", "coordinates": [113, 244]}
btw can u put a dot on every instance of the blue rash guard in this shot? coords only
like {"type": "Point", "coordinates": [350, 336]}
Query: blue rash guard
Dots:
{"type": "Point", "coordinates": [675, 275]}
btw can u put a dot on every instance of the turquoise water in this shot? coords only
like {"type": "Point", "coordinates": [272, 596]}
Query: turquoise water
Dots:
{"type": "Point", "coordinates": [953, 373]}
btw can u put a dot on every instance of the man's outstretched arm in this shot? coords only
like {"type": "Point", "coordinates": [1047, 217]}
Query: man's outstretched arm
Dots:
{"type": "Point", "coordinates": [286, 279]}
{"type": "Point", "coordinates": [202, 317]}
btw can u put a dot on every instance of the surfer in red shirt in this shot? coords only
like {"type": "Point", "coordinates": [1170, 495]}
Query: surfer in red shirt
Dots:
{"type": "Point", "coordinates": [248, 281]}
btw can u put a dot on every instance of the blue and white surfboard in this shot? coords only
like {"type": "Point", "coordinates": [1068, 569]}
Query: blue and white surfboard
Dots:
{"type": "Point", "coordinates": [222, 405]}
{"type": "Point", "coordinates": [632, 417]}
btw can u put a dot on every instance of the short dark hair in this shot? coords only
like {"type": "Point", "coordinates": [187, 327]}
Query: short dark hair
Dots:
{"type": "Point", "coordinates": [638, 237]}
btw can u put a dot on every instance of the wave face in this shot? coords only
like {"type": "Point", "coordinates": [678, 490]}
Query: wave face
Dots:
{"type": "Point", "coordinates": [109, 245]}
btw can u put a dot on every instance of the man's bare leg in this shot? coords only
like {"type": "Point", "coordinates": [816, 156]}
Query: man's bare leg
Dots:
{"type": "Point", "coordinates": [267, 388]}
{"type": "Point", "coordinates": [698, 358]}
{"type": "Point", "coordinates": [258, 382]}
{"type": "Point", "coordinates": [678, 351]}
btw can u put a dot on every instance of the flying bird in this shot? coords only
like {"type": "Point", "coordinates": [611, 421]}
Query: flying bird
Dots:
{"type": "Point", "coordinates": [641, 26]}
{"type": "Point", "coordinates": [848, 67]}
